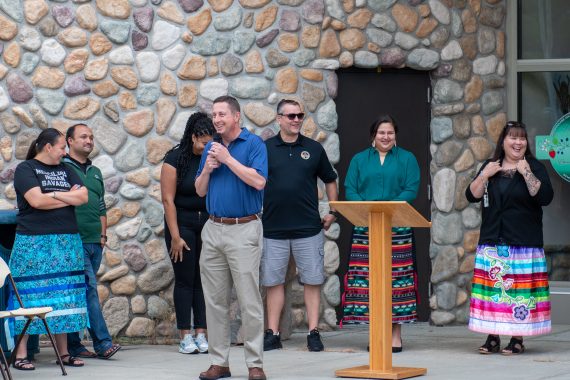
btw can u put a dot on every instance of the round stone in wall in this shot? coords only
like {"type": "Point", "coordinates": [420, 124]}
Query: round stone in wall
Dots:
{"type": "Point", "coordinates": [155, 277]}
{"type": "Point", "coordinates": [116, 314]}
{"type": "Point", "coordinates": [30, 39]}
{"type": "Point", "coordinates": [116, 31]}
{"type": "Point", "coordinates": [130, 157]}
{"type": "Point", "coordinates": [444, 228]}
{"type": "Point", "coordinates": [444, 189]}
{"type": "Point", "coordinates": [259, 114]}
{"type": "Point", "coordinates": [52, 53]}
{"type": "Point", "coordinates": [177, 128]}
{"type": "Point", "coordinates": [250, 88]}
{"type": "Point", "coordinates": [172, 57]}
{"type": "Point", "coordinates": [121, 56]}
{"type": "Point", "coordinates": [212, 88]}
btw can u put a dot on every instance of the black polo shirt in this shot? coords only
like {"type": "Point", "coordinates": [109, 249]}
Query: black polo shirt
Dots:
{"type": "Point", "coordinates": [291, 201]}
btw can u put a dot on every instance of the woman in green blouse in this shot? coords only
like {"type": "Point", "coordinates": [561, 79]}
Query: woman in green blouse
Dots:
{"type": "Point", "coordinates": [382, 172]}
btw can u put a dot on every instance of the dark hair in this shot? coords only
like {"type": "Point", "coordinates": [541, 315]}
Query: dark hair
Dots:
{"type": "Point", "coordinates": [198, 124]}
{"type": "Point", "coordinates": [513, 128]}
{"type": "Point", "coordinates": [283, 102]}
{"type": "Point", "coordinates": [380, 120]}
{"type": "Point", "coordinates": [231, 101]}
{"type": "Point", "coordinates": [47, 136]}
{"type": "Point", "coordinates": [71, 132]}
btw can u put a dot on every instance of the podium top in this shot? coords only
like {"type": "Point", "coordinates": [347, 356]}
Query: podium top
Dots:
{"type": "Point", "coordinates": [402, 213]}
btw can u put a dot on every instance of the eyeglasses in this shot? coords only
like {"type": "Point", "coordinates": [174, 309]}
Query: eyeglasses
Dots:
{"type": "Point", "coordinates": [292, 116]}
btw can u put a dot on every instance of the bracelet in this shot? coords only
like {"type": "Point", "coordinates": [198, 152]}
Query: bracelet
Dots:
{"type": "Point", "coordinates": [53, 195]}
{"type": "Point", "coordinates": [334, 213]}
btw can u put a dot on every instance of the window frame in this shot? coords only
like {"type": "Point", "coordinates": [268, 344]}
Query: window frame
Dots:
{"type": "Point", "coordinates": [516, 66]}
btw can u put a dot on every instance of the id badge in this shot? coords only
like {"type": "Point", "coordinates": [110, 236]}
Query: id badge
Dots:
{"type": "Point", "coordinates": [485, 200]}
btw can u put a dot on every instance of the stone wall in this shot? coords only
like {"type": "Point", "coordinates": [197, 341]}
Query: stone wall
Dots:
{"type": "Point", "coordinates": [135, 70]}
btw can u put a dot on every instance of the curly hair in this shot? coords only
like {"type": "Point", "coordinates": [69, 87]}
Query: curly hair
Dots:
{"type": "Point", "coordinates": [198, 124]}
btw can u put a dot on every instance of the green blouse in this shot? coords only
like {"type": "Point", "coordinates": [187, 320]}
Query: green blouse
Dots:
{"type": "Point", "coordinates": [397, 179]}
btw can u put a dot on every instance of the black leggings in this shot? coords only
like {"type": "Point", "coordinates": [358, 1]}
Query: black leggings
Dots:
{"type": "Point", "coordinates": [188, 294]}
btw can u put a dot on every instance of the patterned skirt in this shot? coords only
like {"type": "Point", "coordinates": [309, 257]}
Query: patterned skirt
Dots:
{"type": "Point", "coordinates": [404, 285]}
{"type": "Point", "coordinates": [510, 293]}
{"type": "Point", "coordinates": [49, 271]}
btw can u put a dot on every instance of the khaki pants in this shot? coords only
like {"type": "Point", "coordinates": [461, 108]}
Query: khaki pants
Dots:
{"type": "Point", "coordinates": [231, 253]}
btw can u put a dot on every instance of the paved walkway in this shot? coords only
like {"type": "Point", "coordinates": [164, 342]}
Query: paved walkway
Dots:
{"type": "Point", "coordinates": [447, 353]}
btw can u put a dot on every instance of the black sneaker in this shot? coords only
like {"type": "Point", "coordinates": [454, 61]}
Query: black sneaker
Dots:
{"type": "Point", "coordinates": [314, 342]}
{"type": "Point", "coordinates": [271, 341]}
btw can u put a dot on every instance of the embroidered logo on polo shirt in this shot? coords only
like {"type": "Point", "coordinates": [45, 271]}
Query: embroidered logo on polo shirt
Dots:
{"type": "Point", "coordinates": [305, 155]}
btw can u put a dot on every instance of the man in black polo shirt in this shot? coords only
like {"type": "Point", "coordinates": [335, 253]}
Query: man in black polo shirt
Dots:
{"type": "Point", "coordinates": [291, 220]}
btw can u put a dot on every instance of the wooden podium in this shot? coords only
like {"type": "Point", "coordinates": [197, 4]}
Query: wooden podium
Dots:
{"type": "Point", "coordinates": [380, 217]}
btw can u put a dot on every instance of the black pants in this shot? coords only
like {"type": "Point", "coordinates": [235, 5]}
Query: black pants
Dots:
{"type": "Point", "coordinates": [188, 294]}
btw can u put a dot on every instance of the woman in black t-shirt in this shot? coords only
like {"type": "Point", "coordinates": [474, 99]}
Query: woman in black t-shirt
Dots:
{"type": "Point", "coordinates": [185, 215]}
{"type": "Point", "coordinates": [47, 257]}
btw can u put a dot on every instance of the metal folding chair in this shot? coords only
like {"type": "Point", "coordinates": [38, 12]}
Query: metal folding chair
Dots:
{"type": "Point", "coordinates": [29, 314]}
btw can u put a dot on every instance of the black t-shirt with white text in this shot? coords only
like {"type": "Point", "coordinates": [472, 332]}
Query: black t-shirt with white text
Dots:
{"type": "Point", "coordinates": [49, 178]}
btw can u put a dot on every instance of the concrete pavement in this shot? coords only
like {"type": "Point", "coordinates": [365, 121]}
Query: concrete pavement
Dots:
{"type": "Point", "coordinates": [446, 352]}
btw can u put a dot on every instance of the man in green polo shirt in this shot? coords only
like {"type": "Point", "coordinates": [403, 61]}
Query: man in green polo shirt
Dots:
{"type": "Point", "coordinates": [92, 223]}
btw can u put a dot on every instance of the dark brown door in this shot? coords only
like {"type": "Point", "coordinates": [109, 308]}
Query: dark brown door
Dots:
{"type": "Point", "coordinates": [363, 95]}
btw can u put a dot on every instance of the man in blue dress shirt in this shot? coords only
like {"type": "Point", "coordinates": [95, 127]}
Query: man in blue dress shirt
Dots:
{"type": "Point", "coordinates": [232, 176]}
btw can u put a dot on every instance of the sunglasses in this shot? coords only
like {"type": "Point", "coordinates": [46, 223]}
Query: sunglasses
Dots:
{"type": "Point", "coordinates": [515, 124]}
{"type": "Point", "coordinates": [292, 116]}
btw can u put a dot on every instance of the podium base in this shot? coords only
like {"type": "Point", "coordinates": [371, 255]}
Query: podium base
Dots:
{"type": "Point", "coordinates": [365, 372]}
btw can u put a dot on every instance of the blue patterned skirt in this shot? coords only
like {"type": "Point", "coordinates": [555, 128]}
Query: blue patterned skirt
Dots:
{"type": "Point", "coordinates": [49, 270]}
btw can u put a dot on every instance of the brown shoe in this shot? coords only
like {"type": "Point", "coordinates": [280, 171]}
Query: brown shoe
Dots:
{"type": "Point", "coordinates": [256, 373]}
{"type": "Point", "coordinates": [215, 372]}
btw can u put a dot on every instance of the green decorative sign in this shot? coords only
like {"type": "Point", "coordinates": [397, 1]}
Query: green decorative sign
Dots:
{"type": "Point", "coordinates": [556, 147]}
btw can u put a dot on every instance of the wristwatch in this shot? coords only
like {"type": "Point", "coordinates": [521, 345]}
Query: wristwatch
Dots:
{"type": "Point", "coordinates": [334, 213]}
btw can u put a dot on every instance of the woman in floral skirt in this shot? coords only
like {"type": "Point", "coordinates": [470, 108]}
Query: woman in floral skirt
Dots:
{"type": "Point", "coordinates": [510, 294]}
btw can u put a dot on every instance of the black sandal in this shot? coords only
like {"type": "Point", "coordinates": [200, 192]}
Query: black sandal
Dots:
{"type": "Point", "coordinates": [109, 352]}
{"type": "Point", "coordinates": [71, 361]}
{"type": "Point", "coordinates": [492, 345]}
{"type": "Point", "coordinates": [515, 347]}
{"type": "Point", "coordinates": [23, 364]}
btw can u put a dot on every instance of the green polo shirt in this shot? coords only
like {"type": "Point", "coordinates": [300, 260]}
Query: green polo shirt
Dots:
{"type": "Point", "coordinates": [397, 179]}
{"type": "Point", "coordinates": [89, 214]}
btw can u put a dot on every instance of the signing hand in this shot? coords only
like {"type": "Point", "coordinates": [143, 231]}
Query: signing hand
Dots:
{"type": "Point", "coordinates": [523, 167]}
{"type": "Point", "coordinates": [178, 245]}
{"type": "Point", "coordinates": [211, 164]}
{"type": "Point", "coordinates": [491, 169]}
{"type": "Point", "coordinates": [219, 152]}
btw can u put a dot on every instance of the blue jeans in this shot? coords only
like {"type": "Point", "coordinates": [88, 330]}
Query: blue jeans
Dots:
{"type": "Point", "coordinates": [98, 328]}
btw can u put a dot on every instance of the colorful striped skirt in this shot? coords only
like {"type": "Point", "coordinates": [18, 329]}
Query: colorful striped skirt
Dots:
{"type": "Point", "coordinates": [49, 271]}
{"type": "Point", "coordinates": [404, 285]}
{"type": "Point", "coordinates": [509, 292]}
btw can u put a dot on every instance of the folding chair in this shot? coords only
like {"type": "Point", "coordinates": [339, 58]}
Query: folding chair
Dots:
{"type": "Point", "coordinates": [29, 314]}
{"type": "Point", "coordinates": [4, 366]}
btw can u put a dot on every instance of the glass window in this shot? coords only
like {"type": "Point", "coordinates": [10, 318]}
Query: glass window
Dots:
{"type": "Point", "coordinates": [544, 98]}
{"type": "Point", "coordinates": [543, 29]}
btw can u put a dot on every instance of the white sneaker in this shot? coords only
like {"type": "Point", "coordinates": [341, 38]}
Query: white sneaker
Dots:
{"type": "Point", "coordinates": [187, 345]}
{"type": "Point", "coordinates": [202, 343]}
